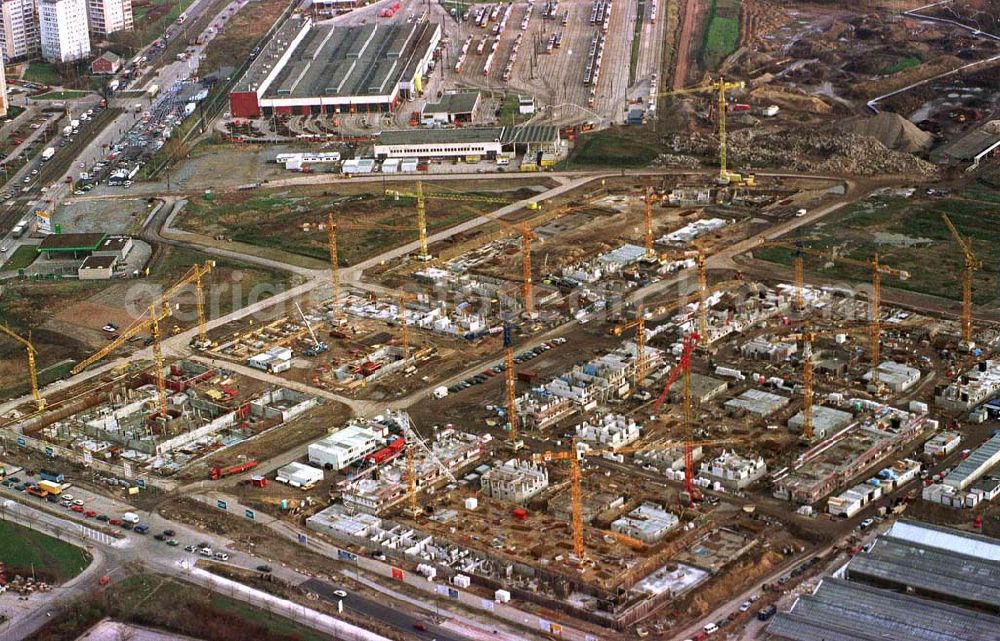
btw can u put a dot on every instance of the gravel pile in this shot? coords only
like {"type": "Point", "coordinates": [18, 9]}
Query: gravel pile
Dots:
{"type": "Point", "coordinates": [803, 150]}
{"type": "Point", "coordinates": [892, 130]}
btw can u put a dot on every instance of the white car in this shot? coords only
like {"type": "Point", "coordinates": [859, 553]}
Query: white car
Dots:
{"type": "Point", "coordinates": [77, 502]}
{"type": "Point", "coordinates": [3, 249]}
{"type": "Point", "coordinates": [67, 497]}
{"type": "Point", "coordinates": [867, 523]}
{"type": "Point", "coordinates": [746, 605]}
{"type": "Point", "coordinates": [221, 556]}
{"type": "Point", "coordinates": [339, 594]}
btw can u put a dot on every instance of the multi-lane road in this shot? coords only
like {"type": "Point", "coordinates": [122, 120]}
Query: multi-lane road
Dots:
{"type": "Point", "coordinates": [112, 555]}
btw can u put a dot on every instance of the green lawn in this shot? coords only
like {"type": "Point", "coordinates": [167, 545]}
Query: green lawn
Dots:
{"type": "Point", "coordinates": [633, 146]}
{"type": "Point", "coordinates": [722, 34]}
{"type": "Point", "coordinates": [901, 65]}
{"type": "Point", "coordinates": [60, 95]}
{"type": "Point", "coordinates": [274, 625]}
{"type": "Point", "coordinates": [173, 607]}
{"type": "Point", "coordinates": [26, 549]}
{"type": "Point", "coordinates": [510, 110]}
{"type": "Point", "coordinates": [22, 257]}
{"type": "Point", "coordinates": [42, 72]}
{"type": "Point", "coordinates": [929, 253]}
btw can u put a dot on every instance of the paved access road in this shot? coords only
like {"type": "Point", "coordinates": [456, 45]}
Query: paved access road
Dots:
{"type": "Point", "coordinates": [176, 561]}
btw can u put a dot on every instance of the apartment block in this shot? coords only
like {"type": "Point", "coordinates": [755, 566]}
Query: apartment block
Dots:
{"type": "Point", "coordinates": [63, 30]}
{"type": "Point", "coordinates": [18, 29]}
{"type": "Point", "coordinates": [109, 16]}
{"type": "Point", "coordinates": [3, 92]}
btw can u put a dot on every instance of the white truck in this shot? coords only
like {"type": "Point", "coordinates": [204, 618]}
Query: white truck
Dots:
{"type": "Point", "coordinates": [130, 517]}
{"type": "Point", "coordinates": [440, 391]}
{"type": "Point", "coordinates": [48, 153]}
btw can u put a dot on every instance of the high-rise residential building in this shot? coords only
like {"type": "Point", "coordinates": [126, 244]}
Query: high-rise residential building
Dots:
{"type": "Point", "coordinates": [109, 16]}
{"type": "Point", "coordinates": [63, 29]}
{"type": "Point", "coordinates": [3, 92]}
{"type": "Point", "coordinates": [18, 29]}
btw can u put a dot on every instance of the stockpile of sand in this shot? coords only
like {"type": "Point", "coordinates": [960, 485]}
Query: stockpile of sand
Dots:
{"type": "Point", "coordinates": [892, 130]}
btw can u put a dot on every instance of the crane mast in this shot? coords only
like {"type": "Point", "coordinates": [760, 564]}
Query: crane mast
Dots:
{"type": "Point", "coordinates": [972, 264]}
{"type": "Point", "coordinates": [641, 362]}
{"type": "Point", "coordinates": [527, 289]}
{"type": "Point", "coordinates": [422, 223]}
{"type": "Point", "coordinates": [32, 367]}
{"type": "Point", "coordinates": [648, 220]}
{"type": "Point", "coordinates": [702, 294]}
{"type": "Point", "coordinates": [331, 241]}
{"type": "Point", "coordinates": [510, 389]}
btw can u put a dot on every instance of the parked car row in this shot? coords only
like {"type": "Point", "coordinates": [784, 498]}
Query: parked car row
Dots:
{"type": "Point", "coordinates": [499, 368]}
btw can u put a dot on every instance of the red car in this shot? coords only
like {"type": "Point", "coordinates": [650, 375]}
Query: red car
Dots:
{"type": "Point", "coordinates": [114, 521]}
{"type": "Point", "coordinates": [90, 514]}
{"type": "Point", "coordinates": [77, 508]}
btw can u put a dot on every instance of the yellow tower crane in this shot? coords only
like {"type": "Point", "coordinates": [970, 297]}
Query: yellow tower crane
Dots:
{"type": "Point", "coordinates": [574, 454]}
{"type": "Point", "coordinates": [194, 275]}
{"type": "Point", "coordinates": [332, 227]}
{"type": "Point", "coordinates": [32, 370]}
{"type": "Point", "coordinates": [331, 242]}
{"type": "Point", "coordinates": [648, 220]}
{"type": "Point", "coordinates": [640, 342]}
{"type": "Point", "coordinates": [510, 389]}
{"type": "Point", "coordinates": [151, 323]}
{"type": "Point", "coordinates": [808, 336]}
{"type": "Point", "coordinates": [721, 86]}
{"type": "Point", "coordinates": [412, 509]}
{"type": "Point", "coordinates": [878, 270]}
{"type": "Point", "coordinates": [972, 264]}
{"type": "Point", "coordinates": [404, 323]}
{"type": "Point", "coordinates": [421, 198]}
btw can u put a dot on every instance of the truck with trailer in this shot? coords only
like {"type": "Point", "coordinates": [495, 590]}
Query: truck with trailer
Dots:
{"type": "Point", "coordinates": [50, 487]}
{"type": "Point", "coordinates": [221, 473]}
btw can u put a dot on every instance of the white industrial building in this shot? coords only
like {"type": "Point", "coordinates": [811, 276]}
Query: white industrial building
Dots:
{"type": "Point", "coordinates": [467, 142]}
{"type": "Point", "coordinates": [515, 480]}
{"type": "Point", "coordinates": [733, 471]}
{"type": "Point", "coordinates": [300, 475]}
{"type": "Point", "coordinates": [895, 376]}
{"type": "Point", "coordinates": [757, 402]}
{"type": "Point", "coordinates": [980, 461]}
{"type": "Point", "coordinates": [344, 447]}
{"type": "Point", "coordinates": [942, 444]}
{"type": "Point", "coordinates": [853, 500]}
{"type": "Point", "coordinates": [109, 16]}
{"type": "Point", "coordinates": [18, 29]}
{"type": "Point", "coordinates": [648, 523]}
{"type": "Point", "coordinates": [63, 30]}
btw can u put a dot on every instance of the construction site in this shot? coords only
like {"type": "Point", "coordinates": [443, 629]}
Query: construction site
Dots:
{"type": "Point", "coordinates": [614, 400]}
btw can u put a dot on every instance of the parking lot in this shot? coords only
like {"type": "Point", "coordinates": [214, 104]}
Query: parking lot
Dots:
{"type": "Point", "coordinates": [499, 368]}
